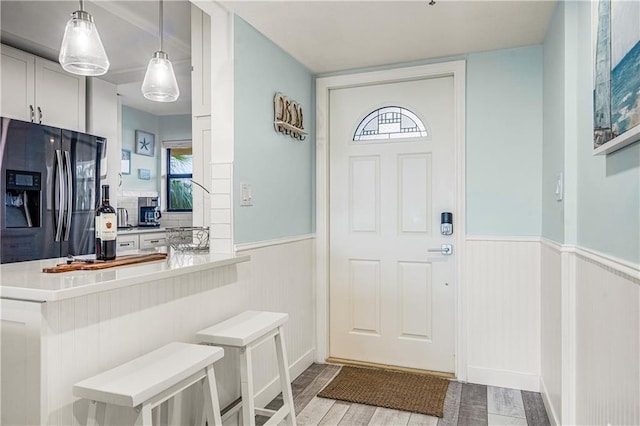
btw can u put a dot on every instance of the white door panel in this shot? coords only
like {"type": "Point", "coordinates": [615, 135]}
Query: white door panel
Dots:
{"type": "Point", "coordinates": [391, 301]}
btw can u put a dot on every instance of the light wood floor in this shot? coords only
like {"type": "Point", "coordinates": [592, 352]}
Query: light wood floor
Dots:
{"type": "Point", "coordinates": [466, 405]}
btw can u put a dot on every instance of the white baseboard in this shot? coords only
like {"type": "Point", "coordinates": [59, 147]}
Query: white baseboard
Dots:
{"type": "Point", "coordinates": [272, 389]}
{"type": "Point", "coordinates": [551, 413]}
{"type": "Point", "coordinates": [503, 378]}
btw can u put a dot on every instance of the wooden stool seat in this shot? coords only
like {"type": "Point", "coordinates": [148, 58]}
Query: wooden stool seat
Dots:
{"type": "Point", "coordinates": [153, 378]}
{"type": "Point", "coordinates": [246, 331]}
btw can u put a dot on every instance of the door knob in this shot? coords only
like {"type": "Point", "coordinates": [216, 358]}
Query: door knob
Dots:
{"type": "Point", "coordinates": [446, 249]}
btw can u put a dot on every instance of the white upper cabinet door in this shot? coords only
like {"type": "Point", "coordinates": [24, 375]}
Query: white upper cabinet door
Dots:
{"type": "Point", "coordinates": [60, 97]}
{"type": "Point", "coordinates": [38, 90]}
{"type": "Point", "coordinates": [201, 62]}
{"type": "Point", "coordinates": [17, 75]}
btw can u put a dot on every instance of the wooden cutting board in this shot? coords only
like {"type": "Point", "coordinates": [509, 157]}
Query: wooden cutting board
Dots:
{"type": "Point", "coordinates": [129, 259]}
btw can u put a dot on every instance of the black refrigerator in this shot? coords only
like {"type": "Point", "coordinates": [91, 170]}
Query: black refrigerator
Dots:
{"type": "Point", "coordinates": [51, 187]}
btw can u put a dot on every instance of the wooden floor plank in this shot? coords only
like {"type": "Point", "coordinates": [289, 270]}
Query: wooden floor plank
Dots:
{"type": "Point", "coordinates": [451, 405]}
{"type": "Point", "coordinates": [534, 409]}
{"type": "Point", "coordinates": [303, 397]}
{"type": "Point", "coordinates": [335, 414]}
{"type": "Point", "coordinates": [358, 415]}
{"type": "Point", "coordinates": [505, 402]}
{"type": "Point", "coordinates": [386, 417]}
{"type": "Point", "coordinates": [473, 405]}
{"type": "Point", "coordinates": [422, 420]}
{"type": "Point", "coordinates": [498, 420]}
{"type": "Point", "coordinates": [314, 412]}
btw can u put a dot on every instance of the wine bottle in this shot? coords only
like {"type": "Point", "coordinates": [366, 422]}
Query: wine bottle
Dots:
{"type": "Point", "coordinates": [106, 228]}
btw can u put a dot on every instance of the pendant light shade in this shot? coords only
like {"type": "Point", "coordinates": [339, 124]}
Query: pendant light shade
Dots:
{"type": "Point", "coordinates": [82, 52]}
{"type": "Point", "coordinates": [160, 83]}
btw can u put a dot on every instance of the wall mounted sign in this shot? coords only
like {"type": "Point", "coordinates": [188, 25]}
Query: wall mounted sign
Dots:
{"type": "Point", "coordinates": [145, 143]}
{"type": "Point", "coordinates": [616, 91]}
{"type": "Point", "coordinates": [144, 174]}
{"type": "Point", "coordinates": [288, 117]}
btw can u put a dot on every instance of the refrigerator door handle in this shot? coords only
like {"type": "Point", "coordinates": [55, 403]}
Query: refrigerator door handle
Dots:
{"type": "Point", "coordinates": [67, 231]}
{"type": "Point", "coordinates": [61, 195]}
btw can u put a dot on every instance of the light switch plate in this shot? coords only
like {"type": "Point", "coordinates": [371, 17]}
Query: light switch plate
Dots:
{"type": "Point", "coordinates": [246, 196]}
{"type": "Point", "coordinates": [559, 187]}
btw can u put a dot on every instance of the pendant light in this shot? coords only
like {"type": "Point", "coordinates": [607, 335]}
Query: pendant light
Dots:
{"type": "Point", "coordinates": [160, 83]}
{"type": "Point", "coordinates": [82, 52]}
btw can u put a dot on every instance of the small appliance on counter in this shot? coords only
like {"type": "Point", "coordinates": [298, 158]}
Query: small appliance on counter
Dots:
{"type": "Point", "coordinates": [148, 212]}
{"type": "Point", "coordinates": [123, 218]}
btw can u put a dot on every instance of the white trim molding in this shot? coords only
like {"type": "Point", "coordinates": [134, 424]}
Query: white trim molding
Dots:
{"type": "Point", "coordinates": [456, 69]}
{"type": "Point", "coordinates": [507, 238]}
{"type": "Point", "coordinates": [274, 242]}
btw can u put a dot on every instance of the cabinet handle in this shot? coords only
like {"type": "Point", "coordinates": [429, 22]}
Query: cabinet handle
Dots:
{"type": "Point", "coordinates": [32, 113]}
{"type": "Point", "coordinates": [125, 244]}
{"type": "Point", "coordinates": [154, 241]}
{"type": "Point", "coordinates": [40, 115]}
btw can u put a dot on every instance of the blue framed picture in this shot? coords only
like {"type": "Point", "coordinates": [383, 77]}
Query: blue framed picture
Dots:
{"type": "Point", "coordinates": [616, 90]}
{"type": "Point", "coordinates": [144, 174]}
{"type": "Point", "coordinates": [145, 143]}
{"type": "Point", "coordinates": [125, 162]}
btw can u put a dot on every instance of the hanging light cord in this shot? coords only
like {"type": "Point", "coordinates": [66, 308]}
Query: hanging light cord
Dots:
{"type": "Point", "coordinates": [160, 24]}
{"type": "Point", "coordinates": [82, 5]}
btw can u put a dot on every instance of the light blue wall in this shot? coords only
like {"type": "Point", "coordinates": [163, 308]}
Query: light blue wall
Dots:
{"type": "Point", "coordinates": [169, 127]}
{"type": "Point", "coordinates": [132, 120]}
{"type": "Point", "coordinates": [175, 127]}
{"type": "Point", "coordinates": [280, 169]}
{"type": "Point", "coordinates": [608, 186]}
{"type": "Point", "coordinates": [504, 142]}
{"type": "Point", "coordinates": [554, 127]}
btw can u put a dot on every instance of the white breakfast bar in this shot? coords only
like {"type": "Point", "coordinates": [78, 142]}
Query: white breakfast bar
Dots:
{"type": "Point", "coordinates": [57, 329]}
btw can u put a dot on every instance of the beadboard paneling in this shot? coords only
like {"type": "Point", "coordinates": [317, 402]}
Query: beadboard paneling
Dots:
{"type": "Point", "coordinates": [551, 329]}
{"type": "Point", "coordinates": [503, 305]}
{"type": "Point", "coordinates": [90, 334]}
{"type": "Point", "coordinates": [607, 345]}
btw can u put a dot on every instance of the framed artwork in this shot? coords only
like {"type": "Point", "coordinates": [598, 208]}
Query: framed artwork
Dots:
{"type": "Point", "coordinates": [125, 162]}
{"type": "Point", "coordinates": [616, 76]}
{"type": "Point", "coordinates": [144, 174]}
{"type": "Point", "coordinates": [145, 143]}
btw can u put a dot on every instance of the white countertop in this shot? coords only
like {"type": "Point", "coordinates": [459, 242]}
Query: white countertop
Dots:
{"type": "Point", "coordinates": [26, 281]}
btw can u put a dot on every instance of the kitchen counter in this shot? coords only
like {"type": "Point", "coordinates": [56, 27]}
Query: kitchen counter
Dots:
{"type": "Point", "coordinates": [26, 281]}
{"type": "Point", "coordinates": [60, 328]}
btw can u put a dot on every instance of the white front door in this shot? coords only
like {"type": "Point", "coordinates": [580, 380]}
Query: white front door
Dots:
{"type": "Point", "coordinates": [391, 300]}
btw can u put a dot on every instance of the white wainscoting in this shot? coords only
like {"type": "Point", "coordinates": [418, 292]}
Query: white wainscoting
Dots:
{"type": "Point", "coordinates": [503, 304]}
{"type": "Point", "coordinates": [607, 336]}
{"type": "Point", "coordinates": [590, 345]}
{"type": "Point", "coordinates": [90, 334]}
{"type": "Point", "coordinates": [551, 328]}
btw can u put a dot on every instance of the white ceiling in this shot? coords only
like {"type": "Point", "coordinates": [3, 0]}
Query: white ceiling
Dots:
{"type": "Point", "coordinates": [329, 36]}
{"type": "Point", "coordinates": [324, 35]}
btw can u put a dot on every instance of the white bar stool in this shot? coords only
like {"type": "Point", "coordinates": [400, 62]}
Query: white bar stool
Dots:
{"type": "Point", "coordinates": [148, 381]}
{"type": "Point", "coordinates": [246, 331]}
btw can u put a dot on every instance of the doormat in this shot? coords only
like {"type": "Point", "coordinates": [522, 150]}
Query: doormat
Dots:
{"type": "Point", "coordinates": [417, 393]}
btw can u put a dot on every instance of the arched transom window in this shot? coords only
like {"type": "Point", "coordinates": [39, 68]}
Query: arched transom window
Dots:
{"type": "Point", "coordinates": [390, 122]}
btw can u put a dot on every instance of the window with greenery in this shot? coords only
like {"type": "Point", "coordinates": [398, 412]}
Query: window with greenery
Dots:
{"type": "Point", "coordinates": [179, 174]}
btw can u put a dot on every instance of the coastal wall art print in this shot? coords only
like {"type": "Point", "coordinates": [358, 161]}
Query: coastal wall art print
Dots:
{"type": "Point", "coordinates": [616, 91]}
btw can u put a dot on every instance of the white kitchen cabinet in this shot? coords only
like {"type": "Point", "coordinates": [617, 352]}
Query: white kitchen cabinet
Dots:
{"type": "Point", "coordinates": [35, 89]}
{"type": "Point", "coordinates": [127, 242]}
{"type": "Point", "coordinates": [153, 239]}
{"type": "Point", "coordinates": [201, 62]}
